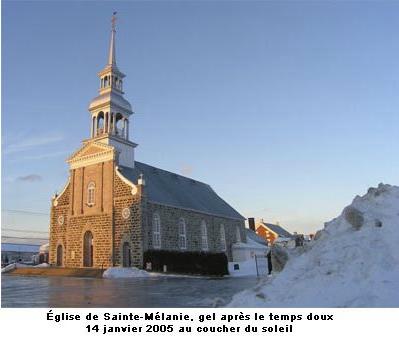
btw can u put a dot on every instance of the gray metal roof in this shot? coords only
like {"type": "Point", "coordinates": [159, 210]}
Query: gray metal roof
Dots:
{"type": "Point", "coordinates": [277, 229]}
{"type": "Point", "coordinates": [171, 189]}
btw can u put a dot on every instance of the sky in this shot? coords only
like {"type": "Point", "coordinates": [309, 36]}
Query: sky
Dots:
{"type": "Point", "coordinates": [287, 109]}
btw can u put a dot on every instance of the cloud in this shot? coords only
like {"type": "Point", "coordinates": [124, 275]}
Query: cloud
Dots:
{"type": "Point", "coordinates": [29, 143]}
{"type": "Point", "coordinates": [30, 178]}
{"type": "Point", "coordinates": [186, 170]}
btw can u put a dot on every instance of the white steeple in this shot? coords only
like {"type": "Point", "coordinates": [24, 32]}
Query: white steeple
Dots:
{"type": "Point", "coordinates": [111, 55]}
{"type": "Point", "coordinates": [110, 111]}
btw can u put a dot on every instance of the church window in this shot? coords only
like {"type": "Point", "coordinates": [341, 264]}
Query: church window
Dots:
{"type": "Point", "coordinates": [222, 238]}
{"type": "Point", "coordinates": [238, 235]}
{"type": "Point", "coordinates": [204, 236]}
{"type": "Point", "coordinates": [156, 231]}
{"type": "Point", "coordinates": [182, 234]}
{"type": "Point", "coordinates": [91, 192]}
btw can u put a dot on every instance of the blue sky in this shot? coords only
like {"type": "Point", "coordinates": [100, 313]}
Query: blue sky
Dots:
{"type": "Point", "coordinates": [288, 109]}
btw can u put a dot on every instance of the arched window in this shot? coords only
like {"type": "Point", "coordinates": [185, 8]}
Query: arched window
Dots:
{"type": "Point", "coordinates": [204, 236]}
{"type": "Point", "coordinates": [119, 124]}
{"type": "Point", "coordinates": [182, 234]}
{"type": "Point", "coordinates": [100, 123]}
{"type": "Point", "coordinates": [238, 235]}
{"type": "Point", "coordinates": [222, 238]}
{"type": "Point", "coordinates": [156, 231]}
{"type": "Point", "coordinates": [91, 193]}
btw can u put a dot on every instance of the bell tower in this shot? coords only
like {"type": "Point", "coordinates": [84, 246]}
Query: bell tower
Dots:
{"type": "Point", "coordinates": [110, 111]}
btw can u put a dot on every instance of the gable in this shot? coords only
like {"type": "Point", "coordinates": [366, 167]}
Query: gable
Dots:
{"type": "Point", "coordinates": [276, 229]}
{"type": "Point", "coordinates": [91, 153]}
{"type": "Point", "coordinates": [264, 228]}
{"type": "Point", "coordinates": [91, 150]}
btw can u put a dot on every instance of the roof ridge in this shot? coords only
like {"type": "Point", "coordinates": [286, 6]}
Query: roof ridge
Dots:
{"type": "Point", "coordinates": [174, 173]}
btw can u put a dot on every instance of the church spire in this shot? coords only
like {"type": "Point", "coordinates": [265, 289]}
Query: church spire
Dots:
{"type": "Point", "coordinates": [111, 55]}
{"type": "Point", "coordinates": [110, 110]}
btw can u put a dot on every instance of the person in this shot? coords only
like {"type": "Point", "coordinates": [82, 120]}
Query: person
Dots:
{"type": "Point", "coordinates": [269, 262]}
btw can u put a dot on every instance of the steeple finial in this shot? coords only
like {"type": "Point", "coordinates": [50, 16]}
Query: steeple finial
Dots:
{"type": "Point", "coordinates": [111, 56]}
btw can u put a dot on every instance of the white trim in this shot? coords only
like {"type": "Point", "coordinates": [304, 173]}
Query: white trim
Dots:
{"type": "Point", "coordinates": [62, 192]}
{"type": "Point", "coordinates": [222, 232]}
{"type": "Point", "coordinates": [182, 233]}
{"type": "Point", "coordinates": [156, 234]}
{"type": "Point", "coordinates": [126, 181]}
{"type": "Point", "coordinates": [75, 156]}
{"type": "Point", "coordinates": [204, 236]}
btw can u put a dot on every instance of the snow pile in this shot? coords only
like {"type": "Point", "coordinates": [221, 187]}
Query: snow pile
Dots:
{"type": "Point", "coordinates": [42, 265]}
{"type": "Point", "coordinates": [13, 266]}
{"type": "Point", "coordinates": [120, 273]}
{"type": "Point", "coordinates": [353, 263]}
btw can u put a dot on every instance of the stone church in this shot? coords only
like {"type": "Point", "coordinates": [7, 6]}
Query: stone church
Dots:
{"type": "Point", "coordinates": [113, 209]}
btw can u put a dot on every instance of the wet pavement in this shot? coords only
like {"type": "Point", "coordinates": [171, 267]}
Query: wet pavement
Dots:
{"type": "Point", "coordinates": [40, 291]}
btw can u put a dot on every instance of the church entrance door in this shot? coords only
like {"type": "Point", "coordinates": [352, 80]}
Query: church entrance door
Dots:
{"type": "Point", "coordinates": [88, 249]}
{"type": "Point", "coordinates": [59, 255]}
{"type": "Point", "coordinates": [126, 255]}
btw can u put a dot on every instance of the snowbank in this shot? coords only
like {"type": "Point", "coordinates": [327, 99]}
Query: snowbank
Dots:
{"type": "Point", "coordinates": [353, 263]}
{"type": "Point", "coordinates": [42, 265]}
{"type": "Point", "coordinates": [13, 266]}
{"type": "Point", "coordinates": [120, 273]}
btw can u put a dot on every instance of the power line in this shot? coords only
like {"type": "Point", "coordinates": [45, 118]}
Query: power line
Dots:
{"type": "Point", "coordinates": [25, 231]}
{"type": "Point", "coordinates": [27, 212]}
{"type": "Point", "coordinates": [25, 238]}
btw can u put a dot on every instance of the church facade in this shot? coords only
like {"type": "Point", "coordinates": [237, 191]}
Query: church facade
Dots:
{"type": "Point", "coordinates": [113, 209]}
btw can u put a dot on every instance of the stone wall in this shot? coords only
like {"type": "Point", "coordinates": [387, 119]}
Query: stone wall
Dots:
{"type": "Point", "coordinates": [170, 232]}
{"type": "Point", "coordinates": [127, 228]}
{"type": "Point", "coordinates": [100, 225]}
{"type": "Point", "coordinates": [58, 224]}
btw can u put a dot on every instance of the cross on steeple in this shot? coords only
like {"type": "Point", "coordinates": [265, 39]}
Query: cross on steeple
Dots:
{"type": "Point", "coordinates": [113, 21]}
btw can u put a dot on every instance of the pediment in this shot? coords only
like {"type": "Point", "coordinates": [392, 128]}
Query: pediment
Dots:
{"type": "Point", "coordinates": [91, 153]}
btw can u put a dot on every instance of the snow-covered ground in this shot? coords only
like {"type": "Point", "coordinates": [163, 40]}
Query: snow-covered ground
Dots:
{"type": "Point", "coordinates": [42, 265]}
{"type": "Point", "coordinates": [133, 272]}
{"type": "Point", "coordinates": [353, 263]}
{"type": "Point", "coordinates": [119, 272]}
{"type": "Point", "coordinates": [13, 266]}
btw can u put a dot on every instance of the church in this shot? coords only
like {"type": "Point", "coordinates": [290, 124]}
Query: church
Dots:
{"type": "Point", "coordinates": [116, 211]}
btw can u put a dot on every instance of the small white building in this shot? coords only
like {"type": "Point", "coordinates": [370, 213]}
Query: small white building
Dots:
{"type": "Point", "coordinates": [249, 258]}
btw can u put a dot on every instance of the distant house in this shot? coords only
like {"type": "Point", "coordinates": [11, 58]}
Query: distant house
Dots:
{"type": "Point", "coordinates": [271, 232]}
{"type": "Point", "coordinates": [11, 252]}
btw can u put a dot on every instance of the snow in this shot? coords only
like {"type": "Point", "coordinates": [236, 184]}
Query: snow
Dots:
{"type": "Point", "coordinates": [353, 263]}
{"type": "Point", "coordinates": [44, 248]}
{"type": "Point", "coordinates": [119, 273]}
{"type": "Point", "coordinates": [13, 266]}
